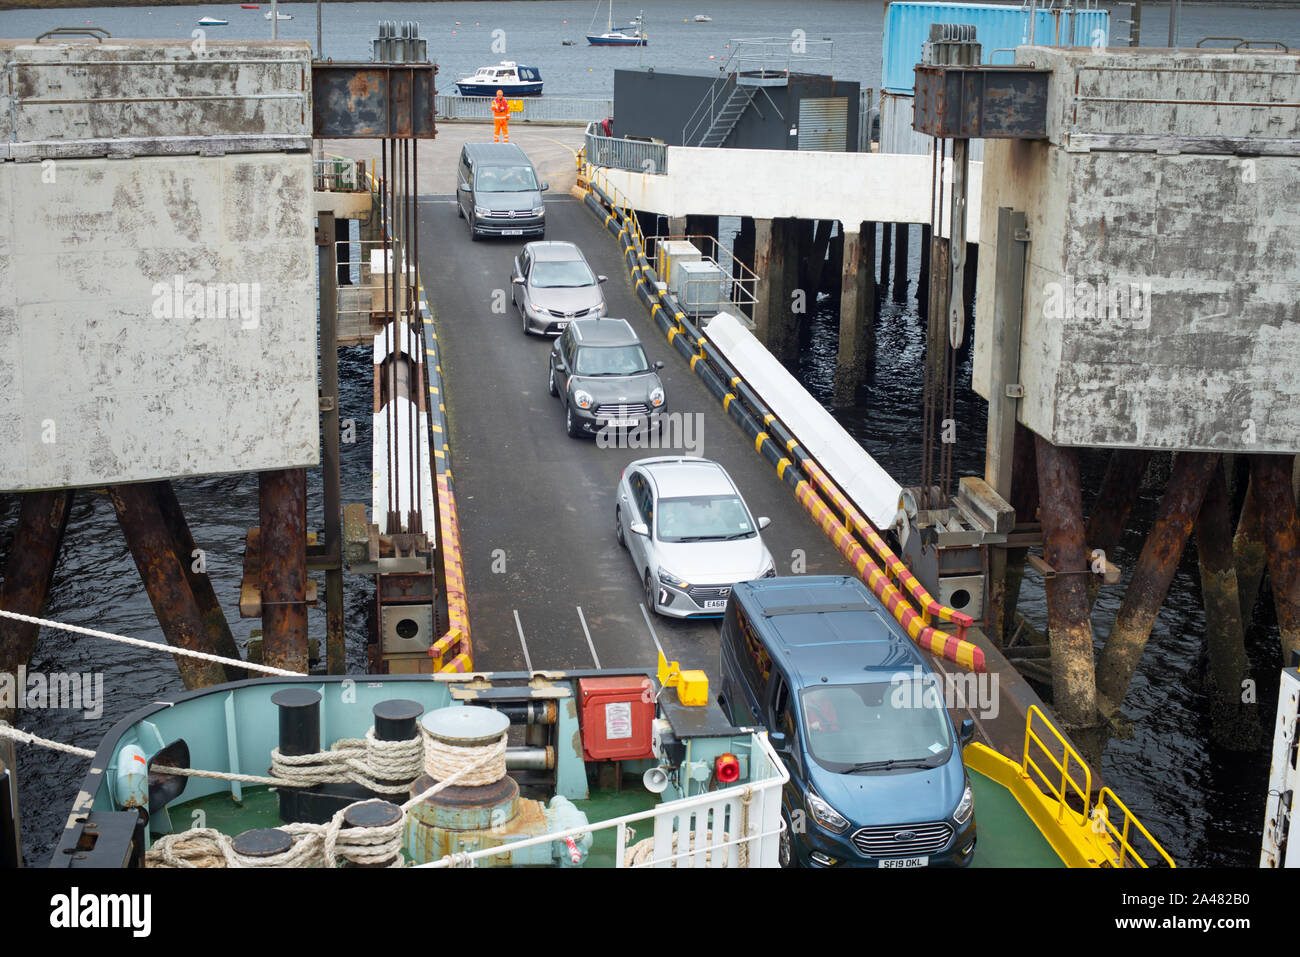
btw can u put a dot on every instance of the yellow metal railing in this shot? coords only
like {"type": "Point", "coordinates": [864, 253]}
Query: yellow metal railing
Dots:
{"type": "Point", "coordinates": [1102, 823]}
{"type": "Point", "coordinates": [1068, 784]}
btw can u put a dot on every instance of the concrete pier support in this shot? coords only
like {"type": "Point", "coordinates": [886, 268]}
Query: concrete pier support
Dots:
{"type": "Point", "coordinates": [1154, 571]}
{"type": "Point", "coordinates": [283, 519]}
{"type": "Point", "coordinates": [1234, 723]}
{"type": "Point", "coordinates": [182, 598]}
{"type": "Point", "coordinates": [29, 572]}
{"type": "Point", "coordinates": [776, 263]}
{"type": "Point", "coordinates": [902, 246]}
{"type": "Point", "coordinates": [923, 279]}
{"type": "Point", "coordinates": [1074, 689]}
{"type": "Point", "coordinates": [1271, 476]}
{"type": "Point", "coordinates": [885, 247]}
{"type": "Point", "coordinates": [857, 347]}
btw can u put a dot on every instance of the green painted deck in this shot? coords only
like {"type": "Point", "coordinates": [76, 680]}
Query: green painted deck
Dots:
{"type": "Point", "coordinates": [1006, 835]}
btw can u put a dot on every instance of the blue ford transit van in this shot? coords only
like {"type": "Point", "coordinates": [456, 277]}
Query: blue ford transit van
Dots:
{"type": "Point", "coordinates": [857, 714]}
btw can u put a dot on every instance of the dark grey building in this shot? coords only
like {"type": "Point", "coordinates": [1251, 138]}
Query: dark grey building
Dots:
{"type": "Point", "coordinates": [798, 111]}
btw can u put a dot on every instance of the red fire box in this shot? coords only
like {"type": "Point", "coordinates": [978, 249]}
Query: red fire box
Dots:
{"type": "Point", "coordinates": [615, 715]}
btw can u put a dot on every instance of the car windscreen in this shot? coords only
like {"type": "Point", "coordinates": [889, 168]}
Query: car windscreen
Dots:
{"type": "Point", "coordinates": [504, 179]}
{"type": "Point", "coordinates": [877, 725]}
{"type": "Point", "coordinates": [610, 360]}
{"type": "Point", "coordinates": [704, 518]}
{"type": "Point", "coordinates": [561, 274]}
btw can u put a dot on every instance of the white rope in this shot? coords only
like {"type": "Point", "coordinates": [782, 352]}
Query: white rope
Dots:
{"type": "Point", "coordinates": [367, 761]}
{"type": "Point", "coordinates": [443, 760]}
{"type": "Point", "coordinates": [642, 852]}
{"type": "Point", "coordinates": [23, 737]}
{"type": "Point", "coordinates": [151, 645]}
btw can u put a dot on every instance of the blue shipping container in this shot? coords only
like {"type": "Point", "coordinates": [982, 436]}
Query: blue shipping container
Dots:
{"type": "Point", "coordinates": [997, 27]}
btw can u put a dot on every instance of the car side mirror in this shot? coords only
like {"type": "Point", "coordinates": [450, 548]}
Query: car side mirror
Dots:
{"type": "Point", "coordinates": [545, 187]}
{"type": "Point", "coordinates": [763, 522]}
{"type": "Point", "coordinates": [659, 364]}
{"type": "Point", "coordinates": [639, 528]}
{"type": "Point", "coordinates": [517, 280]}
{"type": "Point", "coordinates": [464, 187]}
{"type": "Point", "coordinates": [601, 278]}
{"type": "Point", "coordinates": [967, 730]}
{"type": "Point", "coordinates": [779, 742]}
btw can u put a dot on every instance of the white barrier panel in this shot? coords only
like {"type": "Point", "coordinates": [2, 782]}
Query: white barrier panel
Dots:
{"type": "Point", "coordinates": [857, 474]}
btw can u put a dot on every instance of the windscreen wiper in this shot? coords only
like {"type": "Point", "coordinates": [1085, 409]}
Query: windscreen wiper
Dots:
{"type": "Point", "coordinates": [891, 763]}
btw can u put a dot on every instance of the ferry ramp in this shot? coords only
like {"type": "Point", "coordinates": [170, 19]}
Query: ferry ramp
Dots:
{"type": "Point", "coordinates": [537, 507]}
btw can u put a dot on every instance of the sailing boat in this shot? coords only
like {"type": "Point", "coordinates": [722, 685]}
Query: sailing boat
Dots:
{"type": "Point", "coordinates": [629, 36]}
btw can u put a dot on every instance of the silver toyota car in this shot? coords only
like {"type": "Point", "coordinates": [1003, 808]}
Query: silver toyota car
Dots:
{"type": "Point", "coordinates": [690, 535]}
{"type": "Point", "coordinates": [551, 285]}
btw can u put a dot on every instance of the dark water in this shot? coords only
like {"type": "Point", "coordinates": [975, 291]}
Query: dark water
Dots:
{"type": "Point", "coordinates": [1204, 804]}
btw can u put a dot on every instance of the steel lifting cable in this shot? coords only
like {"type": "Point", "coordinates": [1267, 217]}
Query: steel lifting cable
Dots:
{"type": "Point", "coordinates": [408, 339]}
{"type": "Point", "coordinates": [394, 459]}
{"type": "Point", "coordinates": [417, 324]}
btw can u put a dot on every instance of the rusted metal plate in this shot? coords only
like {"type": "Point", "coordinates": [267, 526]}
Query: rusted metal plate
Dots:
{"type": "Point", "coordinates": [373, 100]}
{"type": "Point", "coordinates": [981, 102]}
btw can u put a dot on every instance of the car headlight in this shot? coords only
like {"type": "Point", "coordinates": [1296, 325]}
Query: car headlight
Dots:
{"type": "Point", "coordinates": [539, 210]}
{"type": "Point", "coordinates": [480, 212]}
{"type": "Point", "coordinates": [825, 815]}
{"type": "Point", "coordinates": [657, 396]}
{"type": "Point", "coordinates": [964, 806]}
{"type": "Point", "coordinates": [670, 579]}
{"type": "Point", "coordinates": [582, 399]}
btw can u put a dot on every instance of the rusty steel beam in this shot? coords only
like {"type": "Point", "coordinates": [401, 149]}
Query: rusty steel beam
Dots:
{"type": "Point", "coordinates": [1234, 722]}
{"type": "Point", "coordinates": [1248, 554]}
{"type": "Point", "coordinates": [1074, 692]}
{"type": "Point", "coordinates": [216, 627]}
{"type": "Point", "coordinates": [282, 500]}
{"type": "Point", "coordinates": [1271, 478]}
{"type": "Point", "coordinates": [167, 580]}
{"type": "Point", "coordinates": [1120, 487]}
{"type": "Point", "coordinates": [1154, 572]}
{"type": "Point", "coordinates": [373, 100]}
{"type": "Point", "coordinates": [29, 571]}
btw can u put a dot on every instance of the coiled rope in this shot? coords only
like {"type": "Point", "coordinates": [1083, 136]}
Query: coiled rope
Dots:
{"type": "Point", "coordinates": [388, 767]}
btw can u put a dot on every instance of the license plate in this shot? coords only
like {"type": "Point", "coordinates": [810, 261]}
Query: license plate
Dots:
{"type": "Point", "coordinates": [621, 423]}
{"type": "Point", "coordinates": [716, 603]}
{"type": "Point", "coordinates": [512, 232]}
{"type": "Point", "coordinates": [906, 862]}
{"type": "Point", "coordinates": [561, 325]}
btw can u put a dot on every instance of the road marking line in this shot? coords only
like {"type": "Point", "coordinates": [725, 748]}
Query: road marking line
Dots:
{"type": "Point", "coordinates": [528, 662]}
{"type": "Point", "coordinates": [590, 644]}
{"type": "Point", "coordinates": [646, 615]}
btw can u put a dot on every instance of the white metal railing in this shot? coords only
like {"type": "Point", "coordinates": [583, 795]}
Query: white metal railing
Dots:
{"type": "Point", "coordinates": [536, 109]}
{"type": "Point", "coordinates": [690, 832]}
{"type": "Point", "coordinates": [735, 293]}
{"type": "Point", "coordinates": [339, 175]}
{"type": "Point", "coordinates": [637, 156]}
{"type": "Point", "coordinates": [774, 55]}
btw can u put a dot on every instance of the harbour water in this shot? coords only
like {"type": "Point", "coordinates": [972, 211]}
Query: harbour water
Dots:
{"type": "Point", "coordinates": [1203, 803]}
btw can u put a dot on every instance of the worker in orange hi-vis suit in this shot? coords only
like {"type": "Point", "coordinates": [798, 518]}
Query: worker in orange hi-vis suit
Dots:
{"type": "Point", "coordinates": [500, 118]}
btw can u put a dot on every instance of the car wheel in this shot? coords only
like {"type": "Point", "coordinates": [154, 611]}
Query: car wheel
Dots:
{"type": "Point", "coordinates": [550, 381]}
{"type": "Point", "coordinates": [473, 234]}
{"type": "Point", "coordinates": [785, 847]}
{"type": "Point", "coordinates": [459, 212]}
{"type": "Point", "coordinates": [618, 526]}
{"type": "Point", "coordinates": [650, 601]}
{"type": "Point", "coordinates": [573, 428]}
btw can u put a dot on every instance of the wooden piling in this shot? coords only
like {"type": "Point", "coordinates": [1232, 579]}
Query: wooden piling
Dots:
{"type": "Point", "coordinates": [1153, 573]}
{"type": "Point", "coordinates": [1074, 690]}
{"type": "Point", "coordinates": [1271, 477]}
{"type": "Point", "coordinates": [1234, 722]}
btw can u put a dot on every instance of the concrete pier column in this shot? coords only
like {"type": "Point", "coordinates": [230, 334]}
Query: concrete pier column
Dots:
{"type": "Point", "coordinates": [885, 245]}
{"type": "Point", "coordinates": [902, 243]}
{"type": "Point", "coordinates": [1234, 723]}
{"type": "Point", "coordinates": [165, 564]}
{"type": "Point", "coordinates": [1155, 570]}
{"type": "Point", "coordinates": [777, 267]}
{"type": "Point", "coordinates": [1271, 475]}
{"type": "Point", "coordinates": [283, 513]}
{"type": "Point", "coordinates": [1074, 690]}
{"type": "Point", "coordinates": [29, 571]}
{"type": "Point", "coordinates": [857, 310]}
